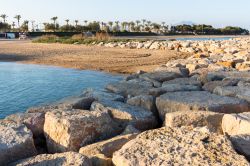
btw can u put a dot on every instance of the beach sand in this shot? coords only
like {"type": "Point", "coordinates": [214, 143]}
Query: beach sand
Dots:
{"type": "Point", "coordinates": [83, 57]}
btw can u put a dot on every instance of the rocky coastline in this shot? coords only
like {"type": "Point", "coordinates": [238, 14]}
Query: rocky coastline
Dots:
{"type": "Point", "coordinates": [192, 111]}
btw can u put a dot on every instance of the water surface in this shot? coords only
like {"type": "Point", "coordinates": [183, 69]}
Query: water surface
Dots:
{"type": "Point", "coordinates": [23, 86]}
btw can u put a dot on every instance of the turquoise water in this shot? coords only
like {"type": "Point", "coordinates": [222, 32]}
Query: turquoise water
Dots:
{"type": "Point", "coordinates": [23, 86]}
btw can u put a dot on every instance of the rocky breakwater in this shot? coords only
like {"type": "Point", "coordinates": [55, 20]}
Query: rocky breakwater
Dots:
{"type": "Point", "coordinates": [176, 115]}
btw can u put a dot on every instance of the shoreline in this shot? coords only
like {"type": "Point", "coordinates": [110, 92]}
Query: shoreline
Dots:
{"type": "Point", "coordinates": [82, 57]}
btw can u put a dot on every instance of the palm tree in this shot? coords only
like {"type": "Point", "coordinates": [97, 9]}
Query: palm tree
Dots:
{"type": "Point", "coordinates": [110, 25]}
{"type": "Point", "coordinates": [13, 25]}
{"type": "Point", "coordinates": [67, 22]}
{"type": "Point", "coordinates": [137, 22]}
{"type": "Point", "coordinates": [18, 17]}
{"type": "Point", "coordinates": [131, 26]}
{"type": "Point", "coordinates": [149, 23]}
{"type": "Point", "coordinates": [33, 25]}
{"type": "Point", "coordinates": [143, 22]}
{"type": "Point", "coordinates": [54, 20]}
{"type": "Point", "coordinates": [86, 22]}
{"type": "Point", "coordinates": [124, 25]}
{"type": "Point", "coordinates": [76, 22]}
{"type": "Point", "coordinates": [163, 24]}
{"type": "Point", "coordinates": [4, 16]}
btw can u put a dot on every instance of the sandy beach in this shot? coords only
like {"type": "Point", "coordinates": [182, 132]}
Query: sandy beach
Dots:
{"type": "Point", "coordinates": [115, 60]}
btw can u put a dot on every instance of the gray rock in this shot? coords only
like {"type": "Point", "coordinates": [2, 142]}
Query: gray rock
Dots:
{"type": "Point", "coordinates": [16, 142]}
{"type": "Point", "coordinates": [102, 95]}
{"type": "Point", "coordinates": [145, 101]}
{"type": "Point", "coordinates": [173, 88]}
{"type": "Point", "coordinates": [161, 76]}
{"type": "Point", "coordinates": [59, 159]}
{"type": "Point", "coordinates": [198, 101]}
{"type": "Point", "coordinates": [242, 144]}
{"type": "Point", "coordinates": [183, 81]}
{"type": "Point", "coordinates": [210, 86]}
{"type": "Point", "coordinates": [181, 70]}
{"type": "Point", "coordinates": [130, 129]}
{"type": "Point", "coordinates": [195, 119]}
{"type": "Point", "coordinates": [132, 87]}
{"type": "Point", "coordinates": [126, 114]}
{"type": "Point", "coordinates": [178, 146]}
{"type": "Point", "coordinates": [33, 121]}
{"type": "Point", "coordinates": [68, 130]}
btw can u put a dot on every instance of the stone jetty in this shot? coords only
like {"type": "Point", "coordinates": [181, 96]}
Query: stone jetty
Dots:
{"type": "Point", "coordinates": [193, 111]}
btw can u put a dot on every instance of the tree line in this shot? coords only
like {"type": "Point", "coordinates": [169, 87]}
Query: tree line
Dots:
{"type": "Point", "coordinates": [114, 26]}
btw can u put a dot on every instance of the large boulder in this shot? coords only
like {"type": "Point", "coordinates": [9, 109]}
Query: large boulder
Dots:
{"type": "Point", "coordinates": [68, 130]}
{"type": "Point", "coordinates": [126, 114]}
{"type": "Point", "coordinates": [105, 149]}
{"type": "Point", "coordinates": [16, 142]}
{"type": "Point", "coordinates": [161, 76]}
{"type": "Point", "coordinates": [236, 124]}
{"type": "Point", "coordinates": [102, 95]}
{"type": "Point", "coordinates": [33, 121]}
{"type": "Point", "coordinates": [210, 86]}
{"type": "Point", "coordinates": [195, 119]}
{"type": "Point", "coordinates": [59, 159]}
{"type": "Point", "coordinates": [198, 101]}
{"type": "Point", "coordinates": [183, 81]}
{"type": "Point", "coordinates": [133, 87]}
{"type": "Point", "coordinates": [178, 146]}
{"type": "Point", "coordinates": [145, 101]}
{"type": "Point", "coordinates": [172, 88]}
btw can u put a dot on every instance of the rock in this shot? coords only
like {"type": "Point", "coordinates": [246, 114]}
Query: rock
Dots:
{"type": "Point", "coordinates": [130, 129]}
{"type": "Point", "coordinates": [145, 101]}
{"type": "Point", "coordinates": [182, 71]}
{"type": "Point", "coordinates": [195, 119]}
{"type": "Point", "coordinates": [102, 95]}
{"type": "Point", "coordinates": [77, 103]}
{"type": "Point", "coordinates": [16, 142]}
{"type": "Point", "coordinates": [210, 86]}
{"type": "Point", "coordinates": [105, 148]}
{"type": "Point", "coordinates": [155, 46]}
{"type": "Point", "coordinates": [236, 124]}
{"type": "Point", "coordinates": [198, 101]}
{"type": "Point", "coordinates": [172, 88]}
{"type": "Point", "coordinates": [192, 67]}
{"type": "Point", "coordinates": [183, 81]}
{"type": "Point", "coordinates": [125, 114]}
{"type": "Point", "coordinates": [132, 87]}
{"type": "Point", "coordinates": [227, 64]}
{"type": "Point", "coordinates": [161, 76]}
{"type": "Point", "coordinates": [242, 144]}
{"type": "Point", "coordinates": [33, 121]}
{"type": "Point", "coordinates": [178, 146]}
{"type": "Point", "coordinates": [62, 159]}
{"type": "Point", "coordinates": [68, 130]}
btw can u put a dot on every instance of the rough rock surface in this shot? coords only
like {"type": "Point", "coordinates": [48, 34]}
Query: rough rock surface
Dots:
{"type": "Point", "coordinates": [125, 114]}
{"type": "Point", "coordinates": [210, 86]}
{"type": "Point", "coordinates": [145, 101]}
{"type": "Point", "coordinates": [105, 148]}
{"type": "Point", "coordinates": [132, 87]}
{"type": "Point", "coordinates": [71, 129]}
{"type": "Point", "coordinates": [102, 95]}
{"type": "Point", "coordinates": [178, 146]}
{"type": "Point", "coordinates": [236, 124]}
{"type": "Point", "coordinates": [33, 121]}
{"type": "Point", "coordinates": [242, 144]}
{"type": "Point", "coordinates": [183, 81]}
{"type": "Point", "coordinates": [195, 119]}
{"type": "Point", "coordinates": [173, 88]}
{"type": "Point", "coordinates": [161, 76]}
{"type": "Point", "coordinates": [59, 159]}
{"type": "Point", "coordinates": [16, 142]}
{"type": "Point", "coordinates": [198, 101]}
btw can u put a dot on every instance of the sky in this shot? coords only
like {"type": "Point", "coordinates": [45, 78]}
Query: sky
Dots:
{"type": "Point", "coordinates": [218, 13]}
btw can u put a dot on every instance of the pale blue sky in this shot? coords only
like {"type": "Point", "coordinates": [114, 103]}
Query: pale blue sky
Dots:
{"type": "Point", "coordinates": [216, 12]}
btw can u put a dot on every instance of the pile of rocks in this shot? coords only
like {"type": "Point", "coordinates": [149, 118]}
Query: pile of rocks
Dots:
{"type": "Point", "coordinates": [228, 54]}
{"type": "Point", "coordinates": [176, 115]}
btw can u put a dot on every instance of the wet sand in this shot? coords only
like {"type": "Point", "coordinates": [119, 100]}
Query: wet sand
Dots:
{"type": "Point", "coordinates": [115, 60]}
